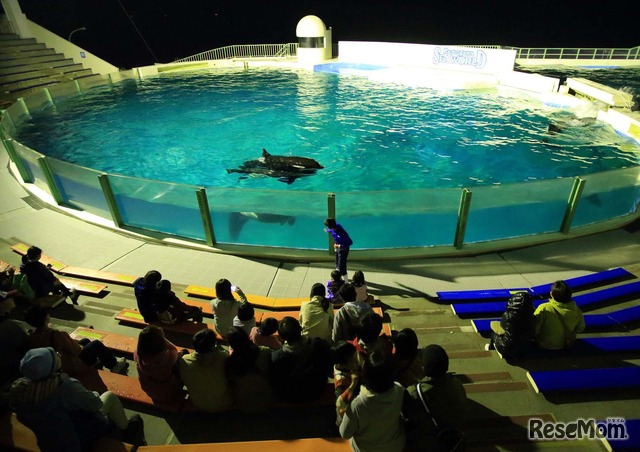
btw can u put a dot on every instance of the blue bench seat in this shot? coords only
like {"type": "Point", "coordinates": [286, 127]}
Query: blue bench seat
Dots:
{"type": "Point", "coordinates": [584, 301]}
{"type": "Point", "coordinates": [585, 379]}
{"type": "Point", "coordinates": [593, 322]}
{"type": "Point", "coordinates": [632, 427]}
{"type": "Point", "coordinates": [541, 291]}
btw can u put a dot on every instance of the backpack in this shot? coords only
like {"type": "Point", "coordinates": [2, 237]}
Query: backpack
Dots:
{"type": "Point", "coordinates": [21, 283]}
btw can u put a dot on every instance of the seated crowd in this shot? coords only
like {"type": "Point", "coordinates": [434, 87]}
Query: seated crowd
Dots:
{"type": "Point", "coordinates": [382, 386]}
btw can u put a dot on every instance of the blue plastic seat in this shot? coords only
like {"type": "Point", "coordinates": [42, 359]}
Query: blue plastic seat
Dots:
{"type": "Point", "coordinates": [585, 379]}
{"type": "Point", "coordinates": [541, 291]}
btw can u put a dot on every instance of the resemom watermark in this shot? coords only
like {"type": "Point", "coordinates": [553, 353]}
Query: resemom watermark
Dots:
{"type": "Point", "coordinates": [612, 428]}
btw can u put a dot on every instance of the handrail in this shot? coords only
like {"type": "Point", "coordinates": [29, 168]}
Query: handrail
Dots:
{"type": "Point", "coordinates": [245, 51]}
{"type": "Point", "coordinates": [290, 50]}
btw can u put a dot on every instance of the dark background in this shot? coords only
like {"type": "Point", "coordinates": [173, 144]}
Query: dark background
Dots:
{"type": "Point", "coordinates": [131, 33]}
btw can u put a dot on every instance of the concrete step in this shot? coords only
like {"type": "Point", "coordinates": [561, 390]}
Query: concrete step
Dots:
{"type": "Point", "coordinates": [36, 56]}
{"type": "Point", "coordinates": [36, 67]}
{"type": "Point", "coordinates": [35, 74]}
{"type": "Point", "coordinates": [40, 81]}
{"type": "Point", "coordinates": [19, 47]}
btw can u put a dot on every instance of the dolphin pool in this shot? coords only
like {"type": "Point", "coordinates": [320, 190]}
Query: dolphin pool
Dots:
{"type": "Point", "coordinates": [396, 157]}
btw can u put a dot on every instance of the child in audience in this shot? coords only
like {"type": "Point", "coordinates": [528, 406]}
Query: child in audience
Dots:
{"type": "Point", "coordinates": [7, 292]}
{"type": "Point", "coordinates": [360, 284]}
{"type": "Point", "coordinates": [346, 376]}
{"type": "Point", "coordinates": [245, 318]}
{"type": "Point", "coordinates": [407, 358]}
{"type": "Point", "coordinates": [333, 287]}
{"type": "Point", "coordinates": [264, 335]}
{"type": "Point", "coordinates": [170, 309]}
{"type": "Point", "coordinates": [156, 360]}
{"type": "Point", "coordinates": [225, 306]}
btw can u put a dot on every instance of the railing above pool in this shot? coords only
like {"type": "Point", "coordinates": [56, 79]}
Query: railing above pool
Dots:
{"type": "Point", "coordinates": [269, 222]}
{"type": "Point", "coordinates": [523, 54]}
{"type": "Point", "coordinates": [245, 51]}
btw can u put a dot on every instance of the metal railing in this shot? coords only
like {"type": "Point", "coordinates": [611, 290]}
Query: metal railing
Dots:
{"type": "Point", "coordinates": [576, 53]}
{"type": "Point", "coordinates": [288, 50]}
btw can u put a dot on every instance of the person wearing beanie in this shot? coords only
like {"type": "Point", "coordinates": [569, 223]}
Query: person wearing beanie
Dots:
{"type": "Point", "coordinates": [443, 393]}
{"type": "Point", "coordinates": [63, 414]}
{"type": "Point", "coordinates": [41, 278]}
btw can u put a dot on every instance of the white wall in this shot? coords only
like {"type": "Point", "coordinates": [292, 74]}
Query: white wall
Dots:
{"type": "Point", "coordinates": [452, 58]}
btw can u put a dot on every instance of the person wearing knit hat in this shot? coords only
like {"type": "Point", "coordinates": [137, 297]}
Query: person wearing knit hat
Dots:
{"type": "Point", "coordinates": [41, 278]}
{"type": "Point", "coordinates": [435, 361]}
{"type": "Point", "coordinates": [63, 414]}
{"type": "Point", "coordinates": [40, 363]}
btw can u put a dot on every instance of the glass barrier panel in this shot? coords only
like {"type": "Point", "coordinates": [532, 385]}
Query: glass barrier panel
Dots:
{"type": "Point", "coordinates": [80, 187]}
{"type": "Point", "coordinates": [268, 217]}
{"type": "Point", "coordinates": [38, 100]}
{"type": "Point", "coordinates": [61, 91]}
{"type": "Point", "coordinates": [158, 206]}
{"type": "Point", "coordinates": [607, 195]}
{"type": "Point", "coordinates": [86, 83]}
{"type": "Point", "coordinates": [399, 219]}
{"type": "Point", "coordinates": [30, 159]}
{"type": "Point", "coordinates": [7, 125]}
{"type": "Point", "coordinates": [18, 113]}
{"type": "Point", "coordinates": [517, 210]}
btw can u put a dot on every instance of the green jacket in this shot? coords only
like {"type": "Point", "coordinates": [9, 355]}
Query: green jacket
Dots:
{"type": "Point", "coordinates": [550, 333]}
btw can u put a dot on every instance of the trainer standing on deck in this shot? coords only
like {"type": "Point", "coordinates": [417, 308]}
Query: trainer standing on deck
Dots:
{"type": "Point", "coordinates": [342, 243]}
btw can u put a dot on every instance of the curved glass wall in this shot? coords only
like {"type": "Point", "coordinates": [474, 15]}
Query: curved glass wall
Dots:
{"type": "Point", "coordinates": [413, 219]}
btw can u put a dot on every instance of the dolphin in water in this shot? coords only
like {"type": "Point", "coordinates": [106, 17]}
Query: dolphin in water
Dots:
{"type": "Point", "coordinates": [284, 168]}
{"type": "Point", "coordinates": [237, 220]}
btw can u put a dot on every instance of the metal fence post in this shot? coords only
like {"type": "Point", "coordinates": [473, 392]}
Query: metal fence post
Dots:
{"type": "Point", "coordinates": [205, 214]}
{"type": "Point", "coordinates": [463, 216]}
{"type": "Point", "coordinates": [331, 213]}
{"type": "Point", "coordinates": [572, 204]}
{"type": "Point", "coordinates": [111, 199]}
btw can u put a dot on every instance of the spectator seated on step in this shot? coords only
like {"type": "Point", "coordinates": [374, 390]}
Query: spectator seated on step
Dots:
{"type": "Point", "coordinates": [225, 306]}
{"type": "Point", "coordinates": [265, 334]}
{"type": "Point", "coordinates": [372, 421]}
{"type": "Point", "coordinates": [316, 316]}
{"type": "Point", "coordinates": [145, 289]}
{"type": "Point", "coordinates": [170, 309]}
{"type": "Point", "coordinates": [347, 372]}
{"type": "Point", "coordinates": [443, 394]}
{"type": "Point", "coordinates": [156, 360]}
{"type": "Point", "coordinates": [7, 292]}
{"type": "Point", "coordinates": [247, 371]}
{"type": "Point", "coordinates": [368, 338]}
{"type": "Point", "coordinates": [204, 374]}
{"type": "Point", "coordinates": [63, 414]}
{"type": "Point", "coordinates": [514, 334]}
{"type": "Point", "coordinates": [559, 320]}
{"type": "Point", "coordinates": [360, 285]}
{"type": "Point", "coordinates": [299, 370]}
{"type": "Point", "coordinates": [41, 278]}
{"type": "Point", "coordinates": [13, 337]}
{"type": "Point", "coordinates": [245, 318]}
{"type": "Point", "coordinates": [407, 358]}
{"type": "Point", "coordinates": [77, 358]}
{"type": "Point", "coordinates": [334, 285]}
{"type": "Point", "coordinates": [347, 319]}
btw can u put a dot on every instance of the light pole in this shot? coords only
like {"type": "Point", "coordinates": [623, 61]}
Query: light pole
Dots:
{"type": "Point", "coordinates": [77, 29]}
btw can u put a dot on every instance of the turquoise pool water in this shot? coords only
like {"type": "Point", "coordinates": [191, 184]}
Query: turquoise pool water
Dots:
{"type": "Point", "coordinates": [189, 128]}
{"type": "Point", "coordinates": [396, 157]}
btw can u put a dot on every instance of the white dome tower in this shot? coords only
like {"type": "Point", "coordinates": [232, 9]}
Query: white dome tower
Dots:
{"type": "Point", "coordinates": [314, 40]}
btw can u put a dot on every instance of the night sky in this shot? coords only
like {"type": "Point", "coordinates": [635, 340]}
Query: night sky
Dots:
{"type": "Point", "coordinates": [178, 28]}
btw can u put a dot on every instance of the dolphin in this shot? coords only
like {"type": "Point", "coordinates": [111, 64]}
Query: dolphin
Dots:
{"type": "Point", "coordinates": [237, 220]}
{"type": "Point", "coordinates": [284, 168]}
